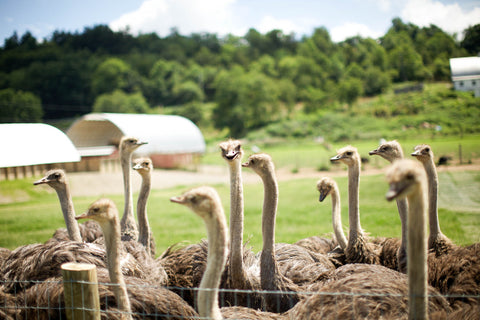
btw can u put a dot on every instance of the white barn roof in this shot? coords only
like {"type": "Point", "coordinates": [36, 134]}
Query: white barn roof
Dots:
{"type": "Point", "coordinates": [465, 68]}
{"type": "Point", "coordinates": [165, 134]}
{"type": "Point", "coordinates": [26, 144]}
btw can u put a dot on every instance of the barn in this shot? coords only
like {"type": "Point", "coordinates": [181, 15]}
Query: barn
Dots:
{"type": "Point", "coordinates": [173, 141]}
{"type": "Point", "coordinates": [28, 149]}
{"type": "Point", "coordinates": [466, 74]}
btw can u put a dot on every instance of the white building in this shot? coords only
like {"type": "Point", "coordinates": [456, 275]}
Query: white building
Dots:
{"type": "Point", "coordinates": [28, 149]}
{"type": "Point", "coordinates": [173, 141]}
{"type": "Point", "coordinates": [466, 74]}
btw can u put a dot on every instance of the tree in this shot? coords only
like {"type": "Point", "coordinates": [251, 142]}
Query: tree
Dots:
{"type": "Point", "coordinates": [19, 106]}
{"type": "Point", "coordinates": [114, 74]}
{"type": "Point", "coordinates": [471, 39]}
{"type": "Point", "coordinates": [349, 90]}
{"type": "Point", "coordinates": [121, 102]}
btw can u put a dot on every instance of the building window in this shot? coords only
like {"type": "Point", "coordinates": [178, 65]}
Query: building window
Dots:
{"type": "Point", "coordinates": [461, 83]}
{"type": "Point", "coordinates": [474, 82]}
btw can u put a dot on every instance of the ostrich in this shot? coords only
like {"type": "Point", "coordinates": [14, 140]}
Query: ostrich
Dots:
{"type": "Point", "coordinates": [392, 151]}
{"type": "Point", "coordinates": [240, 276]}
{"type": "Point", "coordinates": [437, 241]}
{"type": "Point", "coordinates": [144, 167]}
{"type": "Point", "coordinates": [129, 227]}
{"type": "Point", "coordinates": [159, 299]}
{"type": "Point", "coordinates": [377, 292]}
{"type": "Point", "coordinates": [327, 186]}
{"type": "Point", "coordinates": [358, 250]}
{"type": "Point", "coordinates": [282, 266]}
{"type": "Point", "coordinates": [89, 231]}
{"type": "Point", "coordinates": [205, 202]}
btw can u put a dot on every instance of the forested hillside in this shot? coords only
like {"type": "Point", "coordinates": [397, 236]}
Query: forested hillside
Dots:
{"type": "Point", "coordinates": [244, 83]}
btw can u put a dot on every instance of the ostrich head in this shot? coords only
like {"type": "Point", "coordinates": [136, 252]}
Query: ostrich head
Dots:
{"type": "Point", "coordinates": [348, 155]}
{"type": "Point", "coordinates": [390, 151]}
{"type": "Point", "coordinates": [200, 200]}
{"type": "Point", "coordinates": [143, 165]}
{"type": "Point", "coordinates": [130, 144]}
{"type": "Point", "coordinates": [103, 211]}
{"type": "Point", "coordinates": [55, 178]}
{"type": "Point", "coordinates": [261, 163]}
{"type": "Point", "coordinates": [325, 186]}
{"type": "Point", "coordinates": [231, 150]}
{"type": "Point", "coordinates": [402, 177]}
{"type": "Point", "coordinates": [423, 152]}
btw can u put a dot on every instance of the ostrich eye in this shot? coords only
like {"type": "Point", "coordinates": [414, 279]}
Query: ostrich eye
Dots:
{"type": "Point", "coordinates": [427, 149]}
{"type": "Point", "coordinates": [349, 153]}
{"type": "Point", "coordinates": [96, 209]}
{"type": "Point", "coordinates": [386, 148]}
{"type": "Point", "coordinates": [410, 176]}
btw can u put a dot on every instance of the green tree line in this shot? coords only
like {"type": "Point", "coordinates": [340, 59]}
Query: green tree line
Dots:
{"type": "Point", "coordinates": [252, 80]}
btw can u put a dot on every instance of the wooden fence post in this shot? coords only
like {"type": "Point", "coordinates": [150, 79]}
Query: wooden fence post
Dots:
{"type": "Point", "coordinates": [80, 288]}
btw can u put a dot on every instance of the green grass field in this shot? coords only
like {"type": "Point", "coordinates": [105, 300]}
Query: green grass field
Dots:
{"type": "Point", "coordinates": [35, 213]}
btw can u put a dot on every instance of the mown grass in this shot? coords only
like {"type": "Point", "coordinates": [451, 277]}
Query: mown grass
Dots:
{"type": "Point", "coordinates": [299, 215]}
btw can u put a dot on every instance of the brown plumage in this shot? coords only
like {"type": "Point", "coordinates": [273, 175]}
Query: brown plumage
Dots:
{"type": "Point", "coordinates": [242, 262]}
{"type": "Point", "coordinates": [145, 295]}
{"type": "Point", "coordinates": [88, 232]}
{"type": "Point", "coordinates": [205, 202]}
{"type": "Point", "coordinates": [144, 167]}
{"type": "Point", "coordinates": [128, 224]}
{"type": "Point", "coordinates": [439, 243]}
{"type": "Point", "coordinates": [283, 267]}
{"type": "Point", "coordinates": [362, 291]}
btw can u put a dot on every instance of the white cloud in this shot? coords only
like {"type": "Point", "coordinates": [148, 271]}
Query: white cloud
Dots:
{"type": "Point", "coordinates": [351, 29]}
{"type": "Point", "coordinates": [450, 18]}
{"type": "Point", "coordinates": [188, 16]}
{"type": "Point", "coordinates": [269, 23]}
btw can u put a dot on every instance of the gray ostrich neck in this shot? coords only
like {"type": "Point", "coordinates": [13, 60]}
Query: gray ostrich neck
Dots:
{"type": "Point", "coordinates": [432, 198]}
{"type": "Point", "coordinates": [143, 225]}
{"type": "Point", "coordinates": [216, 260]}
{"type": "Point", "coordinates": [236, 224]}
{"type": "Point", "coordinates": [68, 211]}
{"type": "Point", "coordinates": [353, 201]}
{"type": "Point", "coordinates": [417, 255]}
{"type": "Point", "coordinates": [128, 218]}
{"type": "Point", "coordinates": [113, 245]}
{"type": "Point", "coordinates": [337, 219]}
{"type": "Point", "coordinates": [402, 206]}
{"type": "Point", "coordinates": [269, 272]}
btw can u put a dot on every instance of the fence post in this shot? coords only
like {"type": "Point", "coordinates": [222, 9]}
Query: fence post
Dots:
{"type": "Point", "coordinates": [80, 288]}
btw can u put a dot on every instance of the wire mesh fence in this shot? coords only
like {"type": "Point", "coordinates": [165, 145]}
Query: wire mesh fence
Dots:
{"type": "Point", "coordinates": [46, 300]}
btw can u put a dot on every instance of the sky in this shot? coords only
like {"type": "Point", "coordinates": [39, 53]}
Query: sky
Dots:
{"type": "Point", "coordinates": [342, 18]}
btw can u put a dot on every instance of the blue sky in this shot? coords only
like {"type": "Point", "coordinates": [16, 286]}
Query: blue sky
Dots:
{"type": "Point", "coordinates": [342, 18]}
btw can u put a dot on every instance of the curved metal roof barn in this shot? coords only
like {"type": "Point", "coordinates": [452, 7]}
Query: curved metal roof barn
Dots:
{"type": "Point", "coordinates": [26, 144]}
{"type": "Point", "coordinates": [95, 133]}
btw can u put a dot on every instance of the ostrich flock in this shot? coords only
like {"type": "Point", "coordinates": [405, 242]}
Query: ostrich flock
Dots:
{"type": "Point", "coordinates": [421, 275]}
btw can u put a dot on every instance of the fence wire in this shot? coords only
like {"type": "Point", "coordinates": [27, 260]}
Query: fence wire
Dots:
{"type": "Point", "coordinates": [45, 300]}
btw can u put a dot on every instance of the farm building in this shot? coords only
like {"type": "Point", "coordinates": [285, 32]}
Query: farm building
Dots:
{"type": "Point", "coordinates": [466, 74]}
{"type": "Point", "coordinates": [28, 149]}
{"type": "Point", "coordinates": [173, 141]}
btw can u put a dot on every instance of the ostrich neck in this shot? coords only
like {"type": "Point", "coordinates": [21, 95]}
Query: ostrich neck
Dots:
{"type": "Point", "coordinates": [68, 211]}
{"type": "Point", "coordinates": [432, 198]}
{"type": "Point", "coordinates": [270, 203]}
{"type": "Point", "coordinates": [269, 273]}
{"type": "Point", "coordinates": [128, 219]}
{"type": "Point", "coordinates": [353, 203]}
{"type": "Point", "coordinates": [417, 255]}
{"type": "Point", "coordinates": [337, 219]}
{"type": "Point", "coordinates": [236, 224]}
{"type": "Point", "coordinates": [207, 298]}
{"type": "Point", "coordinates": [114, 250]}
{"type": "Point", "coordinates": [402, 206]}
{"type": "Point", "coordinates": [143, 226]}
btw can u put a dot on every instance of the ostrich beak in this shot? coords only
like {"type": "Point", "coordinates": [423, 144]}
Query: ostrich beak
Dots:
{"type": "Point", "coordinates": [178, 199]}
{"type": "Point", "coordinates": [82, 216]}
{"type": "Point", "coordinates": [371, 153]}
{"type": "Point", "coordinates": [41, 181]}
